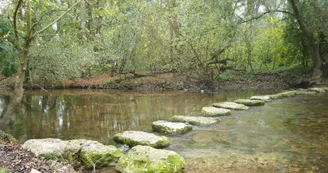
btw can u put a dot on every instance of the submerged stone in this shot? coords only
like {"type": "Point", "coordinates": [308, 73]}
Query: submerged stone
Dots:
{"type": "Point", "coordinates": [97, 154]}
{"type": "Point", "coordinates": [147, 159]}
{"type": "Point", "coordinates": [230, 105]}
{"type": "Point", "coordinates": [194, 120]}
{"type": "Point", "coordinates": [51, 148]}
{"type": "Point", "coordinates": [171, 127]}
{"type": "Point", "coordinates": [318, 90]}
{"type": "Point", "coordinates": [133, 138]}
{"type": "Point", "coordinates": [213, 111]}
{"type": "Point", "coordinates": [249, 102]}
{"type": "Point", "coordinates": [264, 98]}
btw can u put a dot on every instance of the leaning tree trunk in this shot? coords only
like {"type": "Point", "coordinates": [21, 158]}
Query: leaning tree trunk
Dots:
{"type": "Point", "coordinates": [20, 78]}
{"type": "Point", "coordinates": [313, 43]}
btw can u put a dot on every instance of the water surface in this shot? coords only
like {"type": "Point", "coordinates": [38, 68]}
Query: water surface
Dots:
{"type": "Point", "coordinates": [286, 135]}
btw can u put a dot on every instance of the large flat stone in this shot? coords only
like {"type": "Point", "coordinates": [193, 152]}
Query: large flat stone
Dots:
{"type": "Point", "coordinates": [213, 111]}
{"type": "Point", "coordinates": [97, 154]}
{"type": "Point", "coordinates": [249, 102]}
{"type": "Point", "coordinates": [305, 92]}
{"type": "Point", "coordinates": [288, 93]}
{"type": "Point", "coordinates": [171, 127]}
{"type": "Point", "coordinates": [52, 148]}
{"type": "Point", "coordinates": [275, 96]}
{"type": "Point", "coordinates": [264, 98]}
{"type": "Point", "coordinates": [318, 90]}
{"type": "Point", "coordinates": [195, 120]}
{"type": "Point", "coordinates": [133, 138]}
{"type": "Point", "coordinates": [230, 105]}
{"type": "Point", "coordinates": [142, 159]}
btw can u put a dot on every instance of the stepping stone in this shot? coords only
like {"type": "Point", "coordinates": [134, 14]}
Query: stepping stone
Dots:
{"type": "Point", "coordinates": [96, 153]}
{"type": "Point", "coordinates": [325, 88]}
{"type": "Point", "coordinates": [318, 90]}
{"type": "Point", "coordinates": [171, 127]}
{"type": "Point", "coordinates": [230, 105]}
{"type": "Point", "coordinates": [305, 92]}
{"type": "Point", "coordinates": [275, 96]}
{"type": "Point", "coordinates": [52, 148]}
{"type": "Point", "coordinates": [288, 93]}
{"type": "Point", "coordinates": [146, 159]}
{"type": "Point", "coordinates": [213, 111]}
{"type": "Point", "coordinates": [133, 138]}
{"type": "Point", "coordinates": [195, 120]}
{"type": "Point", "coordinates": [263, 98]}
{"type": "Point", "coordinates": [249, 102]}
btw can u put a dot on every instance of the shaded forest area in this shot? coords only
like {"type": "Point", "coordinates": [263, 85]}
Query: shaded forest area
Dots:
{"type": "Point", "coordinates": [48, 42]}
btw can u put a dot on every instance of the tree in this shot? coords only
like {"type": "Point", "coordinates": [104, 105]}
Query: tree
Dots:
{"type": "Point", "coordinates": [24, 45]}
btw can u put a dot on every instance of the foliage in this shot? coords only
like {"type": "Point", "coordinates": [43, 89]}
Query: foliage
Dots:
{"type": "Point", "coordinates": [226, 76]}
{"type": "Point", "coordinates": [8, 60]}
{"type": "Point", "coordinates": [190, 37]}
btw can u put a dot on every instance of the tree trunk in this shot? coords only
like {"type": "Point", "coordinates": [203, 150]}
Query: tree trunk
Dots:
{"type": "Point", "coordinates": [20, 78]}
{"type": "Point", "coordinates": [313, 43]}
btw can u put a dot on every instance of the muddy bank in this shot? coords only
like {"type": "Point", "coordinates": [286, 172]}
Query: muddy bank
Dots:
{"type": "Point", "coordinates": [168, 81]}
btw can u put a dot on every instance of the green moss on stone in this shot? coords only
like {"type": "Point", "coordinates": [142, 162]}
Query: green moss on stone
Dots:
{"type": "Point", "coordinates": [150, 160]}
{"type": "Point", "coordinates": [4, 170]}
{"type": "Point", "coordinates": [99, 158]}
{"type": "Point", "coordinates": [7, 137]}
{"type": "Point", "coordinates": [318, 90]}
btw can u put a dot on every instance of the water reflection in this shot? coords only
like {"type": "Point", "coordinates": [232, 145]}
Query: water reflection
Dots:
{"type": "Point", "coordinates": [99, 115]}
{"type": "Point", "coordinates": [286, 135]}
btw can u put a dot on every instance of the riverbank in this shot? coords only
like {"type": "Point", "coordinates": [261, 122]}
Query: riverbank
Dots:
{"type": "Point", "coordinates": [14, 158]}
{"type": "Point", "coordinates": [169, 81]}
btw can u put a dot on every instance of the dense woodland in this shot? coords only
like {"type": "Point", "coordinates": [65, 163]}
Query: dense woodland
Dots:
{"type": "Point", "coordinates": [54, 40]}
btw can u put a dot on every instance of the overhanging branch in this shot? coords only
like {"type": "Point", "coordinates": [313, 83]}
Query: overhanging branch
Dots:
{"type": "Point", "coordinates": [56, 20]}
{"type": "Point", "coordinates": [263, 14]}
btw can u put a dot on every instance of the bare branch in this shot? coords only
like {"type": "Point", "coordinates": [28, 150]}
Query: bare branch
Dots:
{"type": "Point", "coordinates": [263, 14]}
{"type": "Point", "coordinates": [56, 20]}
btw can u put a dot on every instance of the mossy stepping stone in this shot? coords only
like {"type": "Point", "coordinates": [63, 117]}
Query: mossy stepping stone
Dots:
{"type": "Point", "coordinates": [318, 90]}
{"type": "Point", "coordinates": [275, 96]}
{"type": "Point", "coordinates": [249, 102]}
{"type": "Point", "coordinates": [194, 120]}
{"type": "Point", "coordinates": [96, 153]}
{"type": "Point", "coordinates": [213, 111]}
{"type": "Point", "coordinates": [133, 138]}
{"type": "Point", "coordinates": [305, 92]}
{"type": "Point", "coordinates": [230, 105]}
{"type": "Point", "coordinates": [264, 98]}
{"type": "Point", "coordinates": [288, 93]}
{"type": "Point", "coordinates": [171, 127]}
{"type": "Point", "coordinates": [146, 159]}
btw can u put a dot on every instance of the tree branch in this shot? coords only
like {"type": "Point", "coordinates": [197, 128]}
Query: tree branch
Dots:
{"type": "Point", "coordinates": [15, 18]}
{"type": "Point", "coordinates": [263, 14]}
{"type": "Point", "coordinates": [300, 21]}
{"type": "Point", "coordinates": [56, 20]}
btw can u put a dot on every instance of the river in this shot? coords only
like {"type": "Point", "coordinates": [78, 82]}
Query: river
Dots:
{"type": "Point", "coordinates": [285, 135]}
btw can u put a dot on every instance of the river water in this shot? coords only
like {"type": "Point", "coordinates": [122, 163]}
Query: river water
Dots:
{"type": "Point", "coordinates": [285, 135]}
